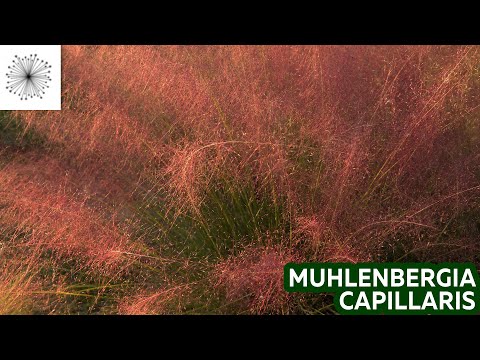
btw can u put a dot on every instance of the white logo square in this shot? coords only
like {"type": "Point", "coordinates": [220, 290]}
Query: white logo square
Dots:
{"type": "Point", "coordinates": [30, 77]}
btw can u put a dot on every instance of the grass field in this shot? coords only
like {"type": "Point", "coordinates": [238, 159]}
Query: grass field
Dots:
{"type": "Point", "coordinates": [181, 179]}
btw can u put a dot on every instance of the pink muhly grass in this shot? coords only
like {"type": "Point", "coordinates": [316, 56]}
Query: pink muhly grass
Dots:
{"type": "Point", "coordinates": [59, 221]}
{"type": "Point", "coordinates": [254, 279]}
{"type": "Point", "coordinates": [369, 147]}
{"type": "Point", "coordinates": [160, 302]}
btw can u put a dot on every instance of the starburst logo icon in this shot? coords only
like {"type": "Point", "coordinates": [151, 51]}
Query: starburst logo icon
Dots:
{"type": "Point", "coordinates": [28, 77]}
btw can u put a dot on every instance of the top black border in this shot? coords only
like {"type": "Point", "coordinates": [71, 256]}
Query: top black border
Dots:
{"type": "Point", "coordinates": [244, 24]}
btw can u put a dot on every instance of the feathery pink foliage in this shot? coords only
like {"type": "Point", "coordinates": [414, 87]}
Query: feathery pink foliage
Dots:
{"type": "Point", "coordinates": [255, 278]}
{"type": "Point", "coordinates": [370, 148]}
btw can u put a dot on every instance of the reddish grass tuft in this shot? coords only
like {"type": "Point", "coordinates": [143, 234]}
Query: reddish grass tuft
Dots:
{"type": "Point", "coordinates": [366, 152]}
{"type": "Point", "coordinates": [254, 279]}
{"type": "Point", "coordinates": [58, 220]}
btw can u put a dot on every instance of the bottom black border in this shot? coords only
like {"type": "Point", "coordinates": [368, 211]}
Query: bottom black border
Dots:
{"type": "Point", "coordinates": [285, 329]}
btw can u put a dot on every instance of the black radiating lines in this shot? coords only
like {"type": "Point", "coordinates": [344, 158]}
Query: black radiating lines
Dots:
{"type": "Point", "coordinates": [28, 77]}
